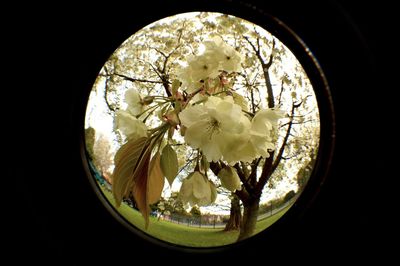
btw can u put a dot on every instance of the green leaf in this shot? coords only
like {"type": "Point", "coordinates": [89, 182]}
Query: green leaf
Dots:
{"type": "Point", "coordinates": [169, 163]}
{"type": "Point", "coordinates": [126, 159]}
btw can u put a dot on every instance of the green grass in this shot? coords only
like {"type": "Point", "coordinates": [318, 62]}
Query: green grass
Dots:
{"type": "Point", "coordinates": [183, 235]}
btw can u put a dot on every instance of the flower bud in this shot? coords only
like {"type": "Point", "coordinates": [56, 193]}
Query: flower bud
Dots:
{"type": "Point", "coordinates": [172, 118]}
{"type": "Point", "coordinates": [148, 100]}
{"type": "Point", "coordinates": [229, 179]}
{"type": "Point", "coordinates": [196, 189]}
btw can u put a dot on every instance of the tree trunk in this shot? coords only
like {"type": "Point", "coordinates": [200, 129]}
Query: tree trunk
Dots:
{"type": "Point", "coordinates": [249, 221]}
{"type": "Point", "coordinates": [235, 215]}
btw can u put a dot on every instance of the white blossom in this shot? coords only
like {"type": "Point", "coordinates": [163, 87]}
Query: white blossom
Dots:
{"type": "Point", "coordinates": [229, 179]}
{"type": "Point", "coordinates": [228, 58]}
{"type": "Point", "coordinates": [217, 127]}
{"type": "Point", "coordinates": [129, 125]}
{"type": "Point", "coordinates": [262, 137]}
{"type": "Point", "coordinates": [133, 100]}
{"type": "Point", "coordinates": [199, 69]}
{"type": "Point", "coordinates": [263, 133]}
{"type": "Point", "coordinates": [217, 57]}
{"type": "Point", "coordinates": [196, 189]}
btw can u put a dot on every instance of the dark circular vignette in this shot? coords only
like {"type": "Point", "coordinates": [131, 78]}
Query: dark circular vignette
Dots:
{"type": "Point", "coordinates": [65, 223]}
{"type": "Point", "coordinates": [325, 104]}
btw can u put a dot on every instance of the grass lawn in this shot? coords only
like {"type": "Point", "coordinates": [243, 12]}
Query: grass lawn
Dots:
{"type": "Point", "coordinates": [183, 235]}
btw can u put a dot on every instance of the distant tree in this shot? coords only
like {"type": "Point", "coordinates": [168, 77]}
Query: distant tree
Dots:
{"type": "Point", "coordinates": [102, 154]}
{"type": "Point", "coordinates": [289, 195]}
{"type": "Point", "coordinates": [304, 172]}
{"type": "Point", "coordinates": [170, 205]}
{"type": "Point", "coordinates": [195, 211]}
{"type": "Point", "coordinates": [90, 136]}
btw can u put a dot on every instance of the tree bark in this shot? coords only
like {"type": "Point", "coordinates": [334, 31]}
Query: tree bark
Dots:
{"type": "Point", "coordinates": [249, 221]}
{"type": "Point", "coordinates": [235, 217]}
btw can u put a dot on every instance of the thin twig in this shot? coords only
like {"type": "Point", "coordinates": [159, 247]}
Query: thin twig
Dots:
{"type": "Point", "coordinates": [135, 79]}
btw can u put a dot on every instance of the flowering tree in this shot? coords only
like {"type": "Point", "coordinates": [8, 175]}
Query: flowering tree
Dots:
{"type": "Point", "coordinates": [103, 156]}
{"type": "Point", "coordinates": [216, 90]}
{"type": "Point", "coordinates": [171, 205]}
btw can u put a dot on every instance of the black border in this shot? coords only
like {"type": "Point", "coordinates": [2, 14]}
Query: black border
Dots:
{"type": "Point", "coordinates": [56, 216]}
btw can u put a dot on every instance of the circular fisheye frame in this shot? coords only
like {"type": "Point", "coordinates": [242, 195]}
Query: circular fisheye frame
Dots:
{"type": "Point", "coordinates": [203, 129]}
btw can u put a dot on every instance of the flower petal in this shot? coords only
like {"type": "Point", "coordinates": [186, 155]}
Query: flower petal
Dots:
{"type": "Point", "coordinates": [196, 135]}
{"type": "Point", "coordinates": [191, 115]}
{"type": "Point", "coordinates": [129, 125]}
{"type": "Point", "coordinates": [201, 188]}
{"type": "Point", "coordinates": [133, 100]}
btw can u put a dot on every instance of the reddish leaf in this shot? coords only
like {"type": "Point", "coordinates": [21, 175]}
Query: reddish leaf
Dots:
{"type": "Point", "coordinates": [139, 189]}
{"type": "Point", "coordinates": [126, 160]}
{"type": "Point", "coordinates": [155, 181]}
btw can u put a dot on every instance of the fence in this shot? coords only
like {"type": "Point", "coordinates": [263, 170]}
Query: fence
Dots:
{"type": "Point", "coordinates": [204, 221]}
{"type": "Point", "coordinates": [272, 210]}
{"type": "Point", "coordinates": [218, 221]}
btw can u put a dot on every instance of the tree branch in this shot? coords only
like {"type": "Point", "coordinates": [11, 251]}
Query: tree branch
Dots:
{"type": "Point", "coordinates": [242, 178]}
{"type": "Point", "coordinates": [280, 94]}
{"type": "Point", "coordinates": [270, 165]}
{"type": "Point", "coordinates": [296, 123]}
{"type": "Point", "coordinates": [265, 66]}
{"type": "Point", "coordinates": [297, 105]}
{"type": "Point", "coordinates": [265, 174]}
{"type": "Point", "coordinates": [160, 52]}
{"type": "Point", "coordinates": [251, 44]}
{"type": "Point", "coordinates": [281, 150]}
{"type": "Point", "coordinates": [253, 173]}
{"type": "Point", "coordinates": [106, 91]}
{"type": "Point", "coordinates": [245, 170]}
{"type": "Point", "coordinates": [188, 162]}
{"type": "Point", "coordinates": [162, 74]}
{"type": "Point", "coordinates": [135, 79]}
{"type": "Point", "coordinates": [215, 168]}
{"type": "Point", "coordinates": [290, 124]}
{"type": "Point", "coordinates": [271, 55]}
{"type": "Point", "coordinates": [155, 70]}
{"type": "Point", "coordinates": [106, 97]}
{"type": "Point", "coordinates": [180, 31]}
{"type": "Point", "coordinates": [243, 195]}
{"type": "Point", "coordinates": [270, 98]}
{"type": "Point", "coordinates": [164, 80]}
{"type": "Point", "coordinates": [166, 57]}
{"type": "Point", "coordinates": [253, 106]}
{"type": "Point", "coordinates": [291, 156]}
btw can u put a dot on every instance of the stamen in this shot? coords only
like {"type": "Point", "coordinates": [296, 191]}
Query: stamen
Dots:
{"type": "Point", "coordinates": [213, 127]}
